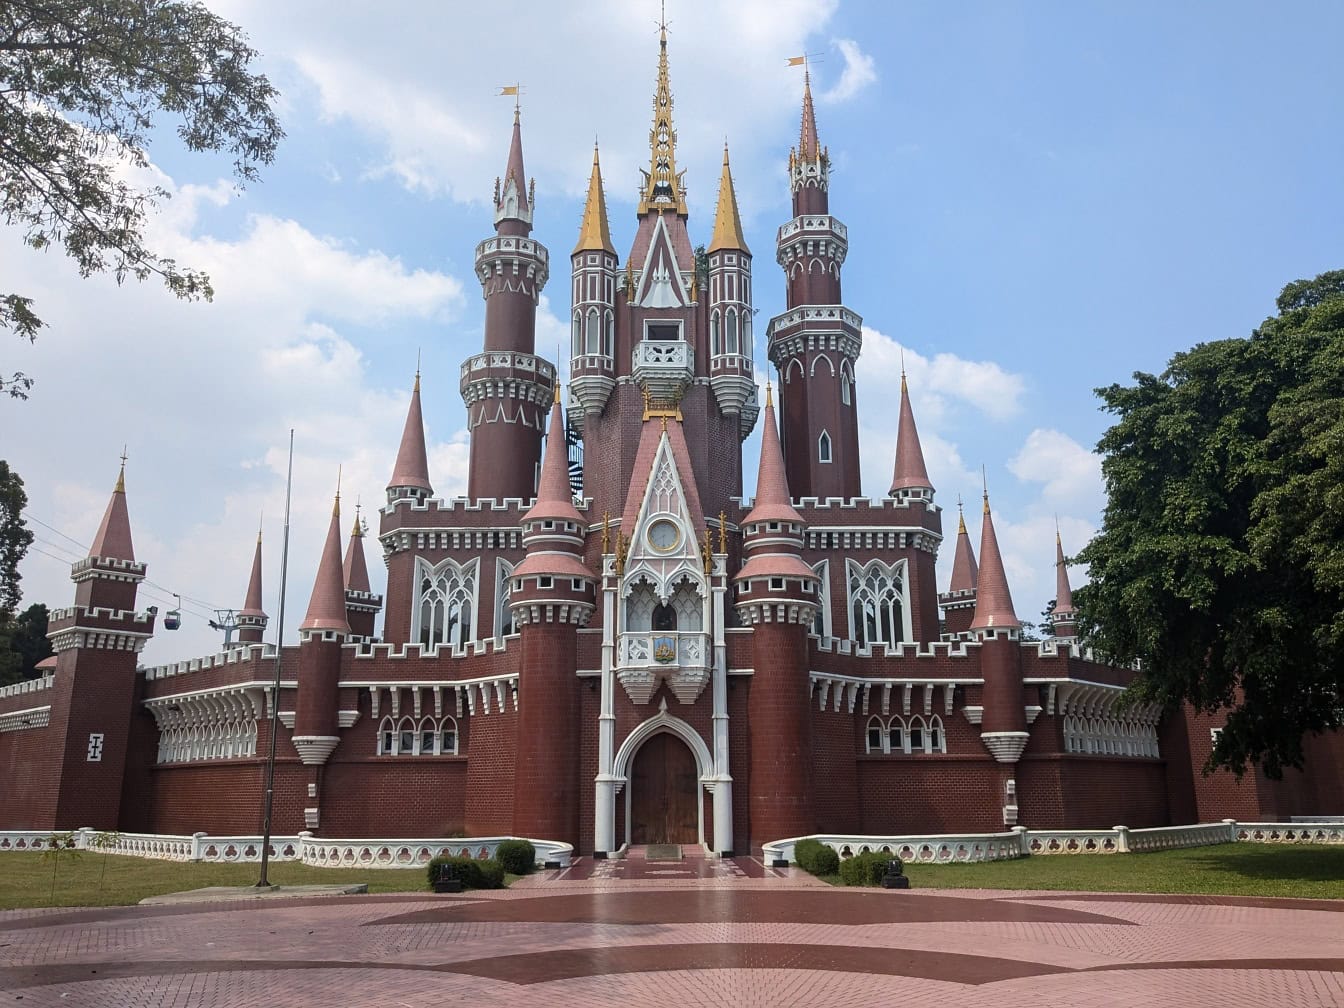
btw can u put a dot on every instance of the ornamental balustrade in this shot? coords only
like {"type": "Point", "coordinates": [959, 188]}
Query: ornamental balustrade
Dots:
{"type": "Point", "coordinates": [682, 658]}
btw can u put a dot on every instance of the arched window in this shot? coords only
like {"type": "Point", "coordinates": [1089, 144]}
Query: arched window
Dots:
{"type": "Point", "coordinates": [714, 348]}
{"type": "Point", "coordinates": [445, 612]}
{"type": "Point", "coordinates": [937, 740]}
{"type": "Point", "coordinates": [730, 332]}
{"type": "Point", "coordinates": [919, 740]}
{"type": "Point", "coordinates": [386, 737]}
{"type": "Point", "coordinates": [503, 592]}
{"type": "Point", "coordinates": [593, 342]}
{"type": "Point", "coordinates": [845, 396]}
{"type": "Point", "coordinates": [609, 347]}
{"type": "Point", "coordinates": [689, 606]}
{"type": "Point", "coordinates": [877, 613]}
{"type": "Point", "coordinates": [576, 336]}
{"type": "Point", "coordinates": [874, 736]}
{"type": "Point", "coordinates": [448, 737]}
{"type": "Point", "coordinates": [896, 735]}
{"type": "Point", "coordinates": [639, 607]}
{"type": "Point", "coordinates": [824, 447]}
{"type": "Point", "coordinates": [664, 617]}
{"type": "Point", "coordinates": [405, 737]}
{"type": "Point", "coordinates": [821, 622]}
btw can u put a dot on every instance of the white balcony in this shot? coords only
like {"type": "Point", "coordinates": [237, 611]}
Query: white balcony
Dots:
{"type": "Point", "coordinates": [664, 367]}
{"type": "Point", "coordinates": [683, 659]}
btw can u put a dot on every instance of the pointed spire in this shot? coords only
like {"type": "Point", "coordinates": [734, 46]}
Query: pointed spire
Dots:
{"type": "Point", "coordinates": [808, 147]}
{"type": "Point", "coordinates": [252, 604]}
{"type": "Point", "coordinates": [662, 183]}
{"type": "Point", "coordinates": [1063, 593]}
{"type": "Point", "coordinates": [356, 571]}
{"type": "Point", "coordinates": [114, 533]}
{"type": "Point", "coordinates": [910, 472]}
{"type": "Point", "coordinates": [513, 172]}
{"type": "Point", "coordinates": [727, 223]}
{"type": "Point", "coordinates": [326, 608]}
{"type": "Point", "coordinates": [772, 486]}
{"type": "Point", "coordinates": [594, 233]}
{"type": "Point", "coordinates": [412, 468]}
{"type": "Point", "coordinates": [993, 602]}
{"type": "Point", "coordinates": [964, 573]}
{"type": "Point", "coordinates": [555, 497]}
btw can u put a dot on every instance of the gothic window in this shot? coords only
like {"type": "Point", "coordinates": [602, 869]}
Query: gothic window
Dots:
{"type": "Point", "coordinates": [896, 735]}
{"type": "Point", "coordinates": [448, 737]}
{"type": "Point", "coordinates": [575, 341]}
{"type": "Point", "coordinates": [406, 737]}
{"type": "Point", "coordinates": [714, 347]}
{"type": "Point", "coordinates": [877, 612]}
{"type": "Point", "coordinates": [918, 738]}
{"type": "Point", "coordinates": [730, 332]}
{"type": "Point", "coordinates": [664, 618]}
{"type": "Point", "coordinates": [503, 592]}
{"type": "Point", "coordinates": [746, 334]}
{"type": "Point", "coordinates": [609, 348]}
{"type": "Point", "coordinates": [874, 739]}
{"type": "Point", "coordinates": [593, 341]}
{"type": "Point", "coordinates": [687, 606]}
{"type": "Point", "coordinates": [821, 623]}
{"type": "Point", "coordinates": [639, 607]}
{"type": "Point", "coordinates": [446, 608]}
{"type": "Point", "coordinates": [824, 447]}
{"type": "Point", "coordinates": [845, 394]}
{"type": "Point", "coordinates": [430, 737]}
{"type": "Point", "coordinates": [937, 741]}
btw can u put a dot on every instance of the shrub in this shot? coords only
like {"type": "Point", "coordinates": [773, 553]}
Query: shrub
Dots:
{"type": "Point", "coordinates": [474, 874]}
{"type": "Point", "coordinates": [518, 857]}
{"type": "Point", "coordinates": [866, 869]}
{"type": "Point", "coordinates": [815, 857]}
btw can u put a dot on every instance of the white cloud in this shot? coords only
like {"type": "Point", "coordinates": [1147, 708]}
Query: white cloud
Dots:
{"type": "Point", "coordinates": [860, 71]}
{"type": "Point", "coordinates": [1066, 470]}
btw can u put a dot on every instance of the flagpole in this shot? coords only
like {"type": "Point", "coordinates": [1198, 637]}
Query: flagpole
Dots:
{"type": "Point", "coordinates": [263, 882]}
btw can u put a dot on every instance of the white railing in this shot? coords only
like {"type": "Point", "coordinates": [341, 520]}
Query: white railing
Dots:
{"type": "Point", "coordinates": [1320, 832]}
{"type": "Point", "coordinates": [318, 851]}
{"type": "Point", "coordinates": [938, 849]}
{"type": "Point", "coordinates": [685, 649]}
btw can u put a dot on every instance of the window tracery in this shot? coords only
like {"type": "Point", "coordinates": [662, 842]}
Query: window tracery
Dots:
{"type": "Point", "coordinates": [406, 736]}
{"type": "Point", "coordinates": [878, 610]}
{"type": "Point", "coordinates": [445, 607]}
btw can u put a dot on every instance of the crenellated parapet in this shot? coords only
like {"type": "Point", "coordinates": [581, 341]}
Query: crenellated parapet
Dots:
{"type": "Point", "coordinates": [99, 628]}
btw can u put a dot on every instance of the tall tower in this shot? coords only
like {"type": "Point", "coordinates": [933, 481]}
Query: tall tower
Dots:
{"type": "Point", "coordinates": [817, 340]}
{"type": "Point", "coordinates": [361, 604]}
{"type": "Point", "coordinates": [96, 642]}
{"type": "Point", "coordinates": [730, 313]}
{"type": "Point", "coordinates": [593, 325]}
{"type": "Point", "coordinates": [407, 491]}
{"type": "Point", "coordinates": [323, 630]}
{"type": "Point", "coordinates": [252, 619]}
{"type": "Point", "coordinates": [507, 389]}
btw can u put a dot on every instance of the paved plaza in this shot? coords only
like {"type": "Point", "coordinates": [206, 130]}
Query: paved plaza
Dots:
{"type": "Point", "coordinates": [684, 934]}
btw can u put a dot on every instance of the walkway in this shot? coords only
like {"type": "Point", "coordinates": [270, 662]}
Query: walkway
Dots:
{"type": "Point", "coordinates": [625, 934]}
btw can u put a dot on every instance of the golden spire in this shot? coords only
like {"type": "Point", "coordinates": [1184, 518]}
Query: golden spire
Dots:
{"type": "Point", "coordinates": [769, 396]}
{"type": "Point", "coordinates": [662, 183]}
{"type": "Point", "coordinates": [961, 517]}
{"type": "Point", "coordinates": [336, 507]}
{"type": "Point", "coordinates": [121, 476]}
{"type": "Point", "coordinates": [358, 531]}
{"type": "Point", "coordinates": [985, 480]}
{"type": "Point", "coordinates": [593, 231]}
{"type": "Point", "coordinates": [723, 532]}
{"type": "Point", "coordinates": [727, 223]}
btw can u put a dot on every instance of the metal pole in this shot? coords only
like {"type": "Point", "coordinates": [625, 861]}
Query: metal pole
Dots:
{"type": "Point", "coordinates": [263, 882]}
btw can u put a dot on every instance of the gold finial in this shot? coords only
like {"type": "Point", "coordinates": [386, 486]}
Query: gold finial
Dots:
{"type": "Point", "coordinates": [664, 423]}
{"type": "Point", "coordinates": [723, 532]}
{"type": "Point", "coordinates": [985, 480]}
{"type": "Point", "coordinates": [648, 401]}
{"type": "Point", "coordinates": [662, 182]}
{"type": "Point", "coordinates": [557, 381]}
{"type": "Point", "coordinates": [121, 475]}
{"type": "Point", "coordinates": [707, 555]}
{"type": "Point", "coordinates": [695, 289]}
{"type": "Point", "coordinates": [336, 507]}
{"type": "Point", "coordinates": [622, 548]}
{"type": "Point", "coordinates": [727, 221]}
{"type": "Point", "coordinates": [903, 388]}
{"type": "Point", "coordinates": [769, 395]}
{"type": "Point", "coordinates": [358, 531]}
{"type": "Point", "coordinates": [606, 532]}
{"type": "Point", "coordinates": [961, 518]}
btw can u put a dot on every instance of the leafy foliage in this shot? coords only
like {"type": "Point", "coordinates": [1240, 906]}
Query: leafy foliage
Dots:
{"type": "Point", "coordinates": [23, 643]}
{"type": "Point", "coordinates": [484, 874]}
{"type": "Point", "coordinates": [1218, 564]}
{"type": "Point", "coordinates": [518, 857]}
{"type": "Point", "coordinates": [815, 857]}
{"type": "Point", "coordinates": [15, 538]}
{"type": "Point", "coordinates": [866, 869]}
{"type": "Point", "coordinates": [81, 87]}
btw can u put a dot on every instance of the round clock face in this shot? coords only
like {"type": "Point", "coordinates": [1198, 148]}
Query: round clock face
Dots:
{"type": "Point", "coordinates": [663, 535]}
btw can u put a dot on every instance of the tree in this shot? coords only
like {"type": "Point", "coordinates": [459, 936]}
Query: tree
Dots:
{"type": "Point", "coordinates": [15, 538]}
{"type": "Point", "coordinates": [1218, 565]}
{"type": "Point", "coordinates": [23, 643]}
{"type": "Point", "coordinates": [81, 87]}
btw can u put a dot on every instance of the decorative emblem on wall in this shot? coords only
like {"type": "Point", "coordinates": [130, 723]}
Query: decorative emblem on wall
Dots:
{"type": "Point", "coordinates": [664, 650]}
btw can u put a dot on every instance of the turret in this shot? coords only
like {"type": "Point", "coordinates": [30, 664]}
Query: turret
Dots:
{"type": "Point", "coordinates": [410, 473]}
{"type": "Point", "coordinates": [777, 598]}
{"type": "Point", "coordinates": [321, 634]}
{"type": "Point", "coordinates": [958, 601]}
{"type": "Point", "coordinates": [361, 604]}
{"type": "Point", "coordinates": [252, 619]}
{"type": "Point", "coordinates": [910, 478]}
{"type": "Point", "coordinates": [817, 340]}
{"type": "Point", "coordinates": [594, 271]}
{"type": "Point", "coordinates": [1063, 623]}
{"type": "Point", "coordinates": [507, 387]}
{"type": "Point", "coordinates": [730, 334]}
{"type": "Point", "coordinates": [1003, 727]}
{"type": "Point", "coordinates": [552, 596]}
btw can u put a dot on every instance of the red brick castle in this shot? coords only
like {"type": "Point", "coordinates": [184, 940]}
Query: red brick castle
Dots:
{"type": "Point", "coordinates": [618, 649]}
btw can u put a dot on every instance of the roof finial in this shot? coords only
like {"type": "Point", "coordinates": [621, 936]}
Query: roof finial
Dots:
{"type": "Point", "coordinates": [557, 379]}
{"type": "Point", "coordinates": [769, 395]}
{"type": "Point", "coordinates": [336, 508]}
{"type": "Point", "coordinates": [662, 189]}
{"type": "Point", "coordinates": [984, 479]}
{"type": "Point", "coordinates": [961, 517]}
{"type": "Point", "coordinates": [261, 520]}
{"type": "Point", "coordinates": [121, 476]}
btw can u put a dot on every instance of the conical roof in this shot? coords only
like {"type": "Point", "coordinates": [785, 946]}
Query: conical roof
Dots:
{"type": "Point", "coordinates": [909, 473]}
{"type": "Point", "coordinates": [555, 497]}
{"type": "Point", "coordinates": [326, 608]}
{"type": "Point", "coordinates": [727, 222]}
{"type": "Point", "coordinates": [252, 604]}
{"type": "Point", "coordinates": [356, 571]}
{"type": "Point", "coordinates": [808, 147]}
{"type": "Point", "coordinates": [412, 467]}
{"type": "Point", "coordinates": [594, 232]}
{"type": "Point", "coordinates": [772, 501]}
{"type": "Point", "coordinates": [964, 573]}
{"type": "Point", "coordinates": [1063, 593]}
{"type": "Point", "coordinates": [113, 540]}
{"type": "Point", "coordinates": [993, 601]}
{"type": "Point", "coordinates": [514, 170]}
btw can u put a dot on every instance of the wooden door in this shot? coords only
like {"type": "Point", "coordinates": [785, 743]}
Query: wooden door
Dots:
{"type": "Point", "coordinates": [664, 788]}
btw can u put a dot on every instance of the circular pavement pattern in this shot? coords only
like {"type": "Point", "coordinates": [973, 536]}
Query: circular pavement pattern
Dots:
{"type": "Point", "coordinates": [730, 934]}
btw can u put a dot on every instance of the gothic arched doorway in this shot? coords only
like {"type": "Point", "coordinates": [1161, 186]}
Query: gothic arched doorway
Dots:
{"type": "Point", "coordinates": [664, 793]}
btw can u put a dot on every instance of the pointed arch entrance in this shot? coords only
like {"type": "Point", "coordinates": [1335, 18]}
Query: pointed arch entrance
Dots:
{"type": "Point", "coordinates": [664, 792]}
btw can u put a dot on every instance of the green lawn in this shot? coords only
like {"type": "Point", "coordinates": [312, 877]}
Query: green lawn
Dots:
{"type": "Point", "coordinates": [89, 880]}
{"type": "Point", "coordinates": [1238, 869]}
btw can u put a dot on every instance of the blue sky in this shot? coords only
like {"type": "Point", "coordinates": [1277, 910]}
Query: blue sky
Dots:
{"type": "Point", "coordinates": [1041, 198]}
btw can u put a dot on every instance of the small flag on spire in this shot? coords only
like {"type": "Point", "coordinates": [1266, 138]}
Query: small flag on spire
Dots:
{"type": "Point", "coordinates": [510, 90]}
{"type": "Point", "coordinates": [797, 60]}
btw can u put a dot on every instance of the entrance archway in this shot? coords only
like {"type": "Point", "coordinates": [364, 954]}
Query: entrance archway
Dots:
{"type": "Point", "coordinates": [664, 792]}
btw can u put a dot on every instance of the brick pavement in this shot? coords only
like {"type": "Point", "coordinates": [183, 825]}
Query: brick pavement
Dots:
{"type": "Point", "coordinates": [627, 934]}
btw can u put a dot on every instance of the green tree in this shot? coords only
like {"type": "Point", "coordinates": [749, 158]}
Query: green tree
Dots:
{"type": "Point", "coordinates": [82, 86]}
{"type": "Point", "coordinates": [1218, 565]}
{"type": "Point", "coordinates": [23, 643]}
{"type": "Point", "coordinates": [15, 538]}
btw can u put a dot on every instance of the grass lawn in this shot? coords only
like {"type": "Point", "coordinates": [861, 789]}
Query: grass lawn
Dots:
{"type": "Point", "coordinates": [1234, 869]}
{"type": "Point", "coordinates": [91, 880]}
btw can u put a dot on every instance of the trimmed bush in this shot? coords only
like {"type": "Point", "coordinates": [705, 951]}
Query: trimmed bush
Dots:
{"type": "Point", "coordinates": [815, 857]}
{"type": "Point", "coordinates": [866, 869]}
{"type": "Point", "coordinates": [518, 857]}
{"type": "Point", "coordinates": [474, 874]}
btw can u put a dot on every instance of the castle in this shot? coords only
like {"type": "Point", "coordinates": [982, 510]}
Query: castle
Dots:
{"type": "Point", "coordinates": [615, 648]}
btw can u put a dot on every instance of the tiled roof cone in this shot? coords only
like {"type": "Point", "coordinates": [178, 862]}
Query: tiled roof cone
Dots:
{"type": "Point", "coordinates": [513, 172]}
{"type": "Point", "coordinates": [555, 497]}
{"type": "Point", "coordinates": [808, 146]}
{"type": "Point", "coordinates": [326, 609]}
{"type": "Point", "coordinates": [964, 573]}
{"type": "Point", "coordinates": [252, 604]}
{"type": "Point", "coordinates": [553, 550]}
{"type": "Point", "coordinates": [113, 540]}
{"type": "Point", "coordinates": [772, 501]}
{"type": "Point", "coordinates": [727, 221]}
{"type": "Point", "coordinates": [910, 472]}
{"type": "Point", "coordinates": [356, 571]}
{"type": "Point", "coordinates": [1063, 593]}
{"type": "Point", "coordinates": [594, 231]}
{"type": "Point", "coordinates": [412, 467]}
{"type": "Point", "coordinates": [993, 602]}
{"type": "Point", "coordinates": [772, 554]}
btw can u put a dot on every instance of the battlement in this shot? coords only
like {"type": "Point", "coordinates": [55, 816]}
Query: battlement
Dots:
{"type": "Point", "coordinates": [99, 613]}
{"type": "Point", "coordinates": [365, 650]}
{"type": "Point", "coordinates": [27, 686]}
{"type": "Point", "coordinates": [234, 656]}
{"type": "Point", "coordinates": [906, 650]}
{"type": "Point", "coordinates": [514, 505]}
{"type": "Point", "coordinates": [87, 567]}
